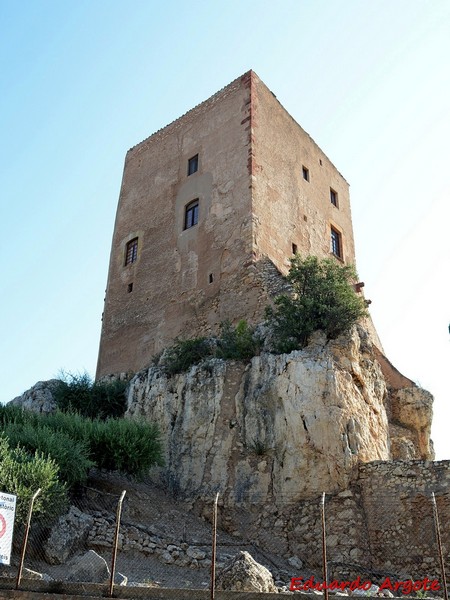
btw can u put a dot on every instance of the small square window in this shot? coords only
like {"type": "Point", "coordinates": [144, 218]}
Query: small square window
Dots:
{"type": "Point", "coordinates": [305, 172]}
{"type": "Point", "coordinates": [191, 215]}
{"type": "Point", "coordinates": [334, 197]}
{"type": "Point", "coordinates": [131, 251]}
{"type": "Point", "coordinates": [193, 165]}
{"type": "Point", "coordinates": [130, 288]}
{"type": "Point", "coordinates": [294, 249]}
{"type": "Point", "coordinates": [336, 243]}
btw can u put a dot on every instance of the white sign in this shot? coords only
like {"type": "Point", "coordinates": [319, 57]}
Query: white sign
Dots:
{"type": "Point", "coordinates": [7, 513]}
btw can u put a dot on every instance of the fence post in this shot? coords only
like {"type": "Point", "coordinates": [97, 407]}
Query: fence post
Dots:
{"type": "Point", "coordinates": [324, 549]}
{"type": "Point", "coordinates": [439, 544]}
{"type": "Point", "coordinates": [213, 551]}
{"type": "Point", "coordinates": [116, 541]}
{"type": "Point", "coordinates": [25, 538]}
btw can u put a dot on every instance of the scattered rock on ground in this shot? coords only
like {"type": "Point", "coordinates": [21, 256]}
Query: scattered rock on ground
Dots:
{"type": "Point", "coordinates": [89, 567]}
{"type": "Point", "coordinates": [243, 574]}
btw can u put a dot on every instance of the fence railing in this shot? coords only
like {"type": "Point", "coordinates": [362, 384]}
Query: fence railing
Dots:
{"type": "Point", "coordinates": [400, 543]}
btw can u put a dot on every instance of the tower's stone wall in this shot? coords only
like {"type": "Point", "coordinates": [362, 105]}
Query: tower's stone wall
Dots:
{"type": "Point", "coordinates": [287, 207]}
{"type": "Point", "coordinates": [254, 208]}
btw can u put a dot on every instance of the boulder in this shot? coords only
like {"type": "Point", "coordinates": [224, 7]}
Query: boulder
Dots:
{"type": "Point", "coordinates": [92, 568]}
{"type": "Point", "coordinates": [89, 567]}
{"type": "Point", "coordinates": [243, 574]}
{"type": "Point", "coordinates": [67, 536]}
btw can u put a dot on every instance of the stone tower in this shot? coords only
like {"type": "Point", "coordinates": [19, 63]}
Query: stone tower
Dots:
{"type": "Point", "coordinates": [211, 208]}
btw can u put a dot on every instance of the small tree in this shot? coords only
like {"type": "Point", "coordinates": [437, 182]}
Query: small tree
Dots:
{"type": "Point", "coordinates": [323, 298]}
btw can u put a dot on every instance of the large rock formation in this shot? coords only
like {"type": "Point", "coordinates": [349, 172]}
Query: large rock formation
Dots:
{"type": "Point", "coordinates": [283, 426]}
{"type": "Point", "coordinates": [38, 398]}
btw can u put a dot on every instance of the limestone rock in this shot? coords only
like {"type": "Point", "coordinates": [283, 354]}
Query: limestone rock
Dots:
{"type": "Point", "coordinates": [290, 425]}
{"type": "Point", "coordinates": [412, 408]}
{"type": "Point", "coordinates": [243, 574]}
{"type": "Point", "coordinates": [89, 567]}
{"type": "Point", "coordinates": [38, 398]}
{"type": "Point", "coordinates": [67, 536]}
{"type": "Point", "coordinates": [402, 448]}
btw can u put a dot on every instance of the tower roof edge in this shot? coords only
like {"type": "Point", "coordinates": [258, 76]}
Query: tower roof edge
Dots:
{"type": "Point", "coordinates": [230, 87]}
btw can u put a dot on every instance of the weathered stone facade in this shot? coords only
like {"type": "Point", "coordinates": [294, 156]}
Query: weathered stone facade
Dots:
{"type": "Point", "coordinates": [263, 188]}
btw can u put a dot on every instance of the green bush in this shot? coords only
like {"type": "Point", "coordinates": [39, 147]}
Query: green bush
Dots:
{"type": "Point", "coordinates": [114, 444]}
{"type": "Point", "coordinates": [323, 299]}
{"type": "Point", "coordinates": [23, 474]}
{"type": "Point", "coordinates": [127, 446]}
{"type": "Point", "coordinates": [185, 353]}
{"type": "Point", "coordinates": [13, 414]}
{"type": "Point", "coordinates": [239, 343]}
{"type": "Point", "coordinates": [78, 393]}
{"type": "Point", "coordinates": [71, 456]}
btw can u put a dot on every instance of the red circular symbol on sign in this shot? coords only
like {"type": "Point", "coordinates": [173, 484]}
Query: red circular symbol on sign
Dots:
{"type": "Point", "coordinates": [2, 526]}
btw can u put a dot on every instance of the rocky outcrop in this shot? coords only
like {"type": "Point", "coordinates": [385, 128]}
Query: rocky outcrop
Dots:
{"type": "Point", "coordinates": [38, 398]}
{"type": "Point", "coordinates": [283, 426]}
{"type": "Point", "coordinates": [411, 415]}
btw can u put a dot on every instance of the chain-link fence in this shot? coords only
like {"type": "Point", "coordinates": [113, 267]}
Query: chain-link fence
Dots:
{"type": "Point", "coordinates": [161, 542]}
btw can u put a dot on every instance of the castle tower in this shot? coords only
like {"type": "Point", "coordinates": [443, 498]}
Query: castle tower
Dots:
{"type": "Point", "coordinates": [211, 208]}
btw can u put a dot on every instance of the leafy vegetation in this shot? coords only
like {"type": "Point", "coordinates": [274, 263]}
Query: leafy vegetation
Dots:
{"type": "Point", "coordinates": [76, 443]}
{"type": "Point", "coordinates": [22, 474]}
{"type": "Point", "coordinates": [323, 299]}
{"type": "Point", "coordinates": [94, 399]}
{"type": "Point", "coordinates": [71, 456]}
{"type": "Point", "coordinates": [239, 343]}
{"type": "Point", "coordinates": [185, 353]}
{"type": "Point", "coordinates": [128, 446]}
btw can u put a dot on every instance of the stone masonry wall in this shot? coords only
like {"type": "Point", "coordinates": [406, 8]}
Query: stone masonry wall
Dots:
{"type": "Point", "coordinates": [396, 497]}
{"type": "Point", "coordinates": [381, 526]}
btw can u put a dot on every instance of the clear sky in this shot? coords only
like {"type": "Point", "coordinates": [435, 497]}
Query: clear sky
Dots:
{"type": "Point", "coordinates": [83, 81]}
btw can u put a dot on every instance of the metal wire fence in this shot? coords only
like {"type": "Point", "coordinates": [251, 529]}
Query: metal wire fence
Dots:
{"type": "Point", "coordinates": [381, 537]}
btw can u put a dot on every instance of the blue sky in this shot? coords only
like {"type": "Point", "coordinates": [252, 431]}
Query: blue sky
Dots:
{"type": "Point", "coordinates": [84, 81]}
